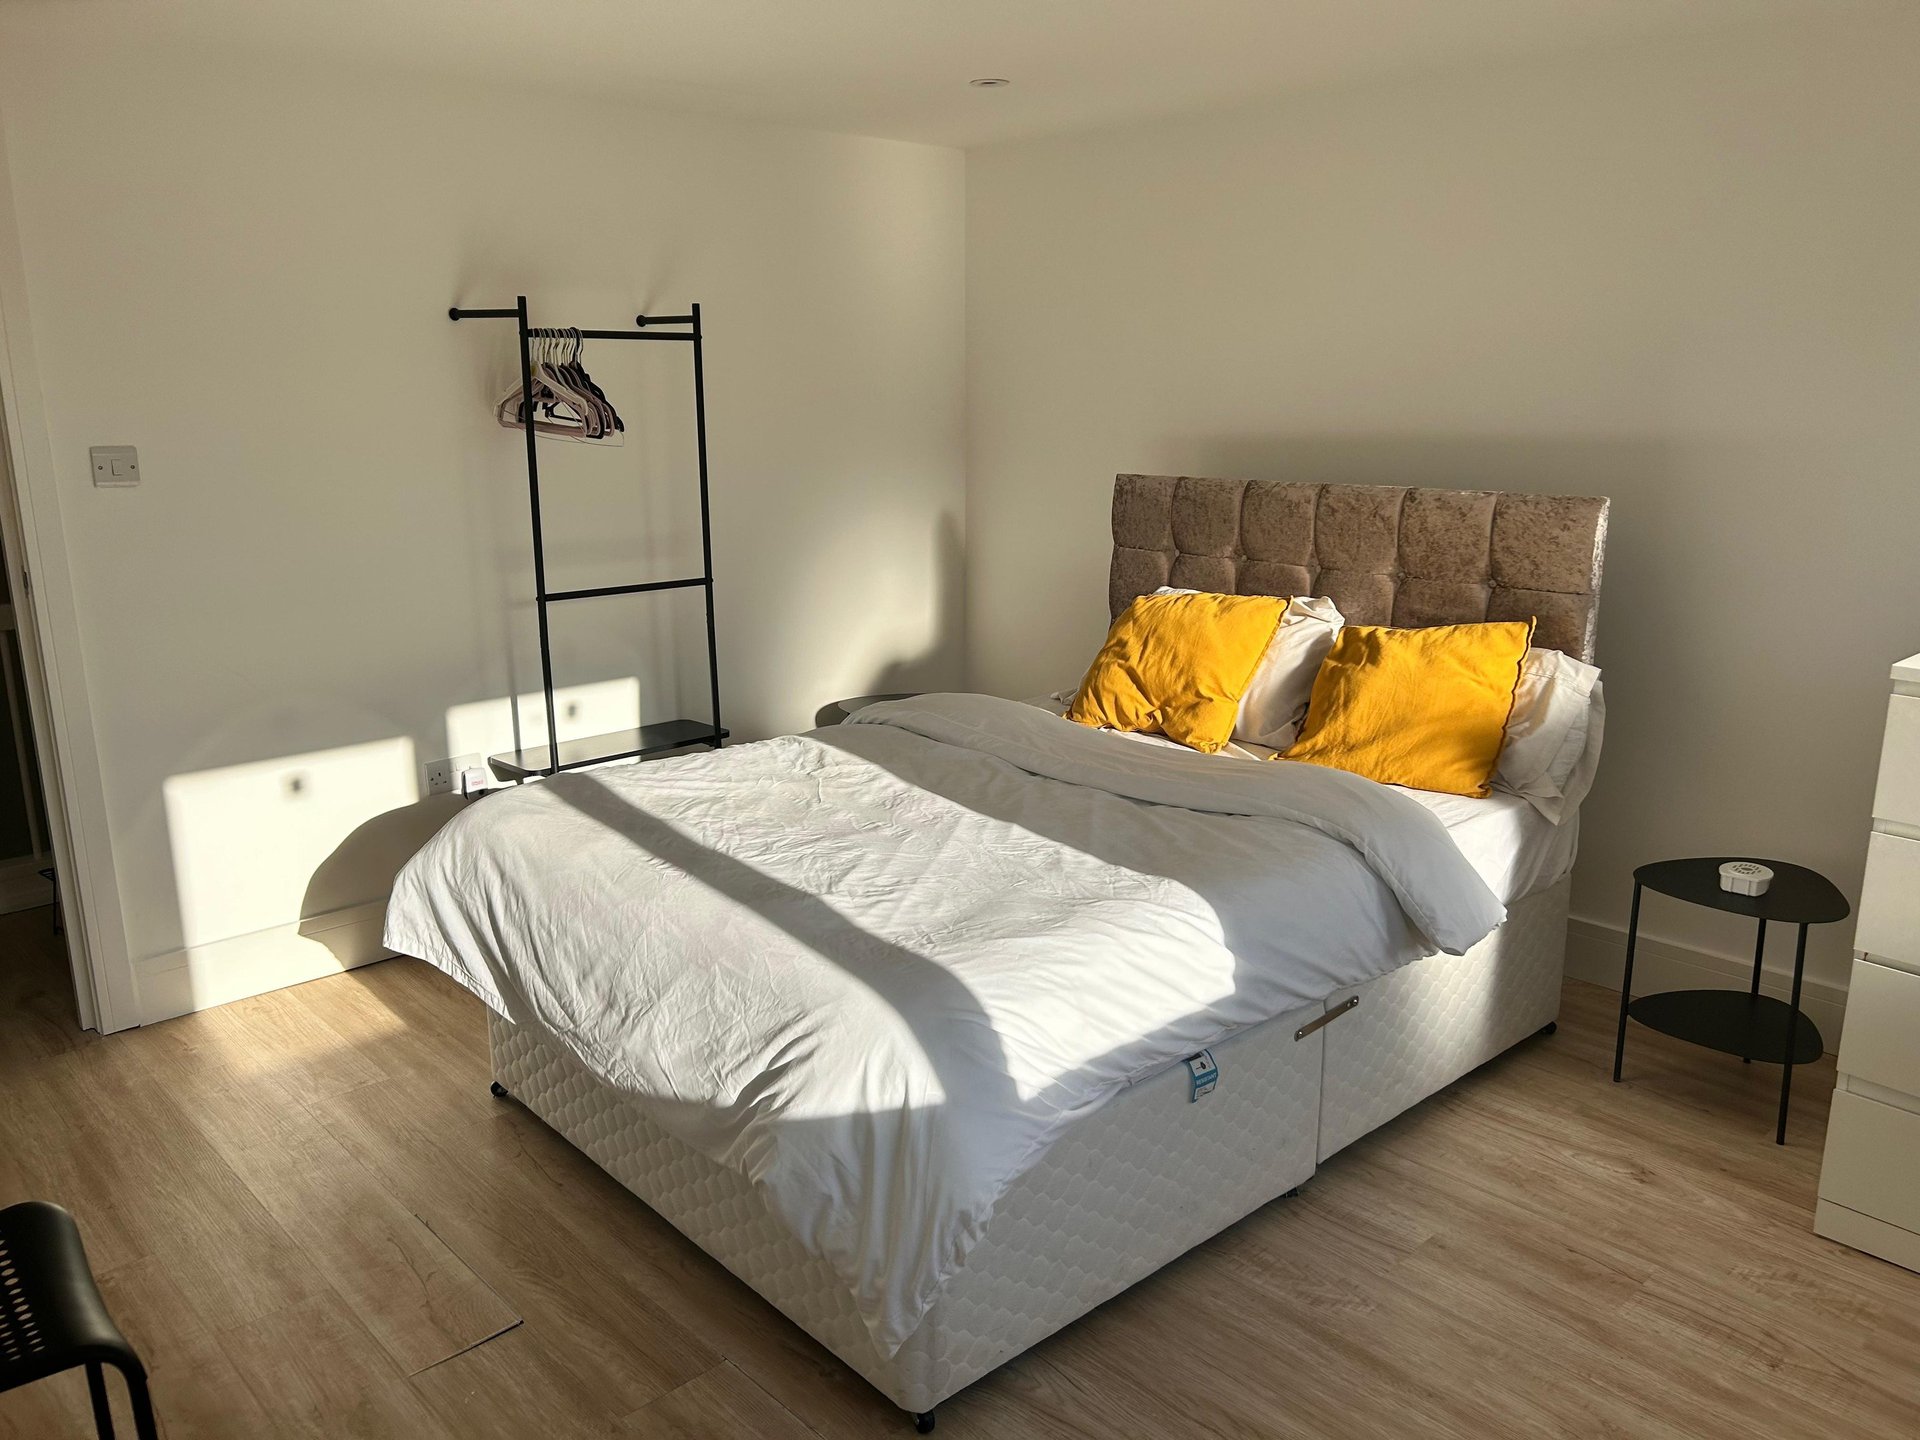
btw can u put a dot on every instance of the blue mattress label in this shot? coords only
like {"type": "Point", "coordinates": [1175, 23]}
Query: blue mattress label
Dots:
{"type": "Point", "coordinates": [1202, 1075]}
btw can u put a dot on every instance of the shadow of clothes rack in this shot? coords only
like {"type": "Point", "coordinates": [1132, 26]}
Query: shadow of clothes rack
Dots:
{"type": "Point", "coordinates": [662, 736]}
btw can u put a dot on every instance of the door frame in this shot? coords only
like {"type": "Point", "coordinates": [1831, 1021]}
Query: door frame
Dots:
{"type": "Point", "coordinates": [52, 660]}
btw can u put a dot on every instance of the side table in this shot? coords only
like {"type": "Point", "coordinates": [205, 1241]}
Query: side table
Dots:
{"type": "Point", "coordinates": [1751, 1025]}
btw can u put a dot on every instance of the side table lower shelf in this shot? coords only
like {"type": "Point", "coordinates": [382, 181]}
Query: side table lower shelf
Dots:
{"type": "Point", "coordinates": [1754, 1027]}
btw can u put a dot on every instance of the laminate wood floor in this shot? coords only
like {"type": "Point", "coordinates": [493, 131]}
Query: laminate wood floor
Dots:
{"type": "Point", "coordinates": [313, 1220]}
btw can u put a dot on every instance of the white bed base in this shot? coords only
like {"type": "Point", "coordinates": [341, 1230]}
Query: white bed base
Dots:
{"type": "Point", "coordinates": [1140, 1181]}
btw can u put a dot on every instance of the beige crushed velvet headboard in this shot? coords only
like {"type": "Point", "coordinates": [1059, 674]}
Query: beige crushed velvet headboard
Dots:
{"type": "Point", "coordinates": [1386, 554]}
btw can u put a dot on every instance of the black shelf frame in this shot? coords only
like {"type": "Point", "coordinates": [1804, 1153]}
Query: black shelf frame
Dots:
{"type": "Point", "coordinates": [664, 736]}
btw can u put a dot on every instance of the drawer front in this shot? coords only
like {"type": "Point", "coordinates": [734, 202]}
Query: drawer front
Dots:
{"type": "Point", "coordinates": [1890, 901]}
{"type": "Point", "coordinates": [1873, 1160]}
{"type": "Point", "coordinates": [1881, 1043]}
{"type": "Point", "coordinates": [1897, 797]}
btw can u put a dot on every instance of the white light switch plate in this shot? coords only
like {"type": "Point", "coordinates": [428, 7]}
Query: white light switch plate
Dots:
{"type": "Point", "coordinates": [115, 465]}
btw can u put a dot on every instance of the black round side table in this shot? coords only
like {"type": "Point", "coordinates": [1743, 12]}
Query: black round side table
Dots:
{"type": "Point", "coordinates": [1752, 1026]}
{"type": "Point", "coordinates": [836, 711]}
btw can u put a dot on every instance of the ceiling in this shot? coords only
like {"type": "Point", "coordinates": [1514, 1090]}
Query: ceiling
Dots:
{"type": "Point", "coordinates": [900, 68]}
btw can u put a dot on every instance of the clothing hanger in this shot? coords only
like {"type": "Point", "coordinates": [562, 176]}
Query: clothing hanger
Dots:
{"type": "Point", "coordinates": [565, 402]}
{"type": "Point", "coordinates": [581, 383]}
{"type": "Point", "coordinates": [564, 374]}
{"type": "Point", "coordinates": [565, 368]}
{"type": "Point", "coordinates": [541, 399]}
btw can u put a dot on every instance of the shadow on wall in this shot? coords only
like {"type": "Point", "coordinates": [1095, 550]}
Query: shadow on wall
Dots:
{"type": "Point", "coordinates": [938, 665]}
{"type": "Point", "coordinates": [360, 871]}
{"type": "Point", "coordinates": [246, 838]}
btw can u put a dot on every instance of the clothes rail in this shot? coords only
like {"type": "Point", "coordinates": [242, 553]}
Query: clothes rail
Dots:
{"type": "Point", "coordinates": [661, 736]}
{"type": "Point", "coordinates": [548, 331]}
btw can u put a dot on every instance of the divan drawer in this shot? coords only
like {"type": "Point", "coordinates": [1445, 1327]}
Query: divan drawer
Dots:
{"type": "Point", "coordinates": [1897, 796]}
{"type": "Point", "coordinates": [1881, 1043]}
{"type": "Point", "coordinates": [1873, 1160]}
{"type": "Point", "coordinates": [1890, 901]}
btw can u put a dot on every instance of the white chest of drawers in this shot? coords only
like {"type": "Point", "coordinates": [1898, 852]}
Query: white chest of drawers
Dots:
{"type": "Point", "coordinates": [1870, 1179]}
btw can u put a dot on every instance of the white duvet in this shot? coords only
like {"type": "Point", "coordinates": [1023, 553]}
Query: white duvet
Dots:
{"type": "Point", "coordinates": [879, 968]}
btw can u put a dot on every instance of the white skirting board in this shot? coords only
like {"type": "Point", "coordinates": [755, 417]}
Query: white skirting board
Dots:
{"type": "Point", "coordinates": [1598, 953]}
{"type": "Point", "coordinates": [182, 981]}
{"type": "Point", "coordinates": [1865, 1232]}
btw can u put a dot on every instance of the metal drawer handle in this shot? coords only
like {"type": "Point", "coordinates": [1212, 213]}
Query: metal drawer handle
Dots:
{"type": "Point", "coordinates": [1327, 1019]}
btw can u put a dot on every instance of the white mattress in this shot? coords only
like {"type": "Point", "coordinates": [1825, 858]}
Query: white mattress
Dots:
{"type": "Point", "coordinates": [1516, 849]}
{"type": "Point", "coordinates": [1115, 1198]}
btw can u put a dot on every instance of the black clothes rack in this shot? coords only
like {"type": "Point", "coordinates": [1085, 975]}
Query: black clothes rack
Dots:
{"type": "Point", "coordinates": [664, 735]}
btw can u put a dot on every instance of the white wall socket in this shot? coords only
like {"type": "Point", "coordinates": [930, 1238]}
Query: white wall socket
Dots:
{"type": "Point", "coordinates": [438, 776]}
{"type": "Point", "coordinates": [442, 777]}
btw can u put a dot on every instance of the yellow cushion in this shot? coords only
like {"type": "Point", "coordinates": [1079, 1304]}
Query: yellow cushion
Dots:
{"type": "Point", "coordinates": [1422, 708]}
{"type": "Point", "coordinates": [1178, 665]}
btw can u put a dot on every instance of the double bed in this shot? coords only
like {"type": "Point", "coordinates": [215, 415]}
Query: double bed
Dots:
{"type": "Point", "coordinates": [890, 1018]}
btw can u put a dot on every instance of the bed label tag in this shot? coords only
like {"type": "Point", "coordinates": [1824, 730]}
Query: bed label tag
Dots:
{"type": "Point", "coordinates": [1202, 1075]}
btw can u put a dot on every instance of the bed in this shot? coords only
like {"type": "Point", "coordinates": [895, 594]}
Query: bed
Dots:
{"type": "Point", "coordinates": [1104, 1189]}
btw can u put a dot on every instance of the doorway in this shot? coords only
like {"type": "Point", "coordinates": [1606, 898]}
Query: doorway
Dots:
{"type": "Point", "coordinates": [39, 983]}
{"type": "Point", "coordinates": [26, 851]}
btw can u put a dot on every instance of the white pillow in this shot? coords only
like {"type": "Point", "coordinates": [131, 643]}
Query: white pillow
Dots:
{"type": "Point", "coordinates": [1276, 698]}
{"type": "Point", "coordinates": [1553, 734]}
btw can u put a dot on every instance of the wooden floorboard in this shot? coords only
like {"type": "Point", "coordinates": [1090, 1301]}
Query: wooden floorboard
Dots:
{"type": "Point", "coordinates": [313, 1220]}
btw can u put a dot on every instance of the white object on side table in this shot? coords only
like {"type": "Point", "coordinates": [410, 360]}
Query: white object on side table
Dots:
{"type": "Point", "coordinates": [1870, 1178]}
{"type": "Point", "coordinates": [1745, 877]}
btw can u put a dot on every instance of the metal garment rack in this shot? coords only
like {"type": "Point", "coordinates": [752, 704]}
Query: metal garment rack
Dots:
{"type": "Point", "coordinates": [664, 735]}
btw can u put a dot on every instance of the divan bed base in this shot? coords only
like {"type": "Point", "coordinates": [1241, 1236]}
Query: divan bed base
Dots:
{"type": "Point", "coordinates": [1137, 1183]}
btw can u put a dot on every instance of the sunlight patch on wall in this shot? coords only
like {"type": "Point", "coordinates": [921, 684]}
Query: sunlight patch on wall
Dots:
{"type": "Point", "coordinates": [486, 727]}
{"type": "Point", "coordinates": [247, 839]}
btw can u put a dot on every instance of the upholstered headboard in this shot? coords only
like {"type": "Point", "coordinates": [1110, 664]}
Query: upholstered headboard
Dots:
{"type": "Point", "coordinates": [1386, 554]}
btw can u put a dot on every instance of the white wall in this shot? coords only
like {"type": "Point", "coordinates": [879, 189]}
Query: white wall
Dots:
{"type": "Point", "coordinates": [1683, 275]}
{"type": "Point", "coordinates": [243, 268]}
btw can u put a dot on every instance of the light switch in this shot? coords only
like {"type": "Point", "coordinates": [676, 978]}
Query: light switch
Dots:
{"type": "Point", "coordinates": [115, 465]}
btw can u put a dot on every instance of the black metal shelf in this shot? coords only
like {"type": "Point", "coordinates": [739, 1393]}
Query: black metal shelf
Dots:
{"type": "Point", "coordinates": [656, 739]}
{"type": "Point", "coordinates": [1734, 1022]}
{"type": "Point", "coordinates": [667, 735]}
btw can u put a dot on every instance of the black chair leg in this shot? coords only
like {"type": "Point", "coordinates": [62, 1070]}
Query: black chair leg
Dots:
{"type": "Point", "coordinates": [142, 1402]}
{"type": "Point", "coordinates": [97, 1392]}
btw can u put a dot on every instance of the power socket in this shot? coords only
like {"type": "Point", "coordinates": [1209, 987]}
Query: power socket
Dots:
{"type": "Point", "coordinates": [442, 777]}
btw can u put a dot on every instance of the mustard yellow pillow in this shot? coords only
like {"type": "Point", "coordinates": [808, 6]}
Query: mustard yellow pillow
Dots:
{"type": "Point", "coordinates": [1423, 708]}
{"type": "Point", "coordinates": [1178, 665]}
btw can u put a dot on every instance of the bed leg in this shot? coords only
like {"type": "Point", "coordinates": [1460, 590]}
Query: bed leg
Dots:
{"type": "Point", "coordinates": [499, 1090]}
{"type": "Point", "coordinates": [1549, 1028]}
{"type": "Point", "coordinates": [1293, 1194]}
{"type": "Point", "coordinates": [923, 1422]}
